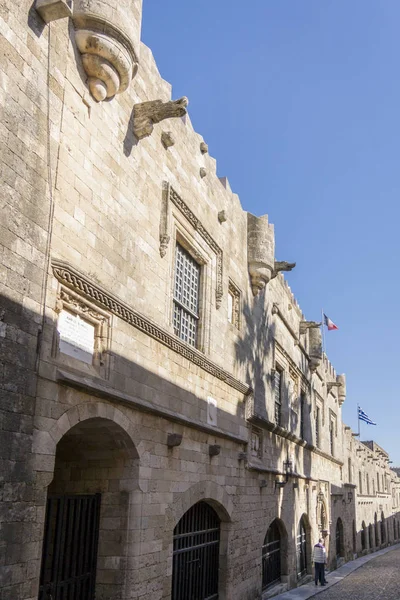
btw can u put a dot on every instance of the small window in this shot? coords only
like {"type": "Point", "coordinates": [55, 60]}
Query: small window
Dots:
{"type": "Point", "coordinates": [317, 426]}
{"type": "Point", "coordinates": [186, 296]}
{"type": "Point", "coordinates": [278, 396]}
{"type": "Point", "coordinates": [302, 412]}
{"type": "Point", "coordinates": [233, 305]}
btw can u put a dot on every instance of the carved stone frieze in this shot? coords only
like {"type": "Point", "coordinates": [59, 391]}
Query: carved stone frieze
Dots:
{"type": "Point", "coordinates": [146, 114]}
{"type": "Point", "coordinates": [306, 325]}
{"type": "Point", "coordinates": [75, 280]}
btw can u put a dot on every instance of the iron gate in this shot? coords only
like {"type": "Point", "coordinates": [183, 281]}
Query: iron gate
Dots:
{"type": "Point", "coordinates": [70, 548]}
{"type": "Point", "coordinates": [301, 547]}
{"type": "Point", "coordinates": [271, 556]}
{"type": "Point", "coordinates": [196, 554]}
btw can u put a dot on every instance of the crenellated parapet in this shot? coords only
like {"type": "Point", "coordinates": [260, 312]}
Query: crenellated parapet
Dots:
{"type": "Point", "coordinates": [107, 35]}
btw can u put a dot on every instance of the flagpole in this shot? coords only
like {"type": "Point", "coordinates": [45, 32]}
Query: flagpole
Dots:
{"type": "Point", "coordinates": [323, 332]}
{"type": "Point", "coordinates": [358, 417]}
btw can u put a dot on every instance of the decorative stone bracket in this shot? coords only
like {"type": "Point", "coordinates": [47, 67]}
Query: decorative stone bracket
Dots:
{"type": "Point", "coordinates": [147, 113]}
{"type": "Point", "coordinates": [107, 57]}
{"type": "Point", "coordinates": [306, 325]}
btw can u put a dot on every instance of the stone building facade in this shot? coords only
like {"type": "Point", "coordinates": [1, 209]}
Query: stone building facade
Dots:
{"type": "Point", "coordinates": [170, 427]}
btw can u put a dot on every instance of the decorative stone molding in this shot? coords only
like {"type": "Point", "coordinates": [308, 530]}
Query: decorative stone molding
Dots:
{"type": "Point", "coordinates": [203, 172]}
{"type": "Point", "coordinates": [169, 194]}
{"type": "Point", "coordinates": [107, 55]}
{"type": "Point", "coordinates": [260, 251]}
{"type": "Point", "coordinates": [167, 139]}
{"type": "Point", "coordinates": [306, 325]}
{"type": "Point", "coordinates": [341, 379]}
{"type": "Point", "coordinates": [203, 148]}
{"type": "Point", "coordinates": [332, 384]}
{"type": "Point", "coordinates": [52, 10]}
{"type": "Point", "coordinates": [315, 348]}
{"type": "Point", "coordinates": [77, 281]}
{"type": "Point", "coordinates": [146, 114]}
{"type": "Point", "coordinates": [108, 38]}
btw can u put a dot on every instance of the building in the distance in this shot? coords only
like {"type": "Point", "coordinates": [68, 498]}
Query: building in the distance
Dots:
{"type": "Point", "coordinates": [170, 428]}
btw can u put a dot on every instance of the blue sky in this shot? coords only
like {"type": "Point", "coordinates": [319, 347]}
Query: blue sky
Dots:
{"type": "Point", "coordinates": [299, 102]}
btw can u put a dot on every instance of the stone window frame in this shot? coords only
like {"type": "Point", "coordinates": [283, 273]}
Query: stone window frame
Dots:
{"type": "Point", "coordinates": [101, 320]}
{"type": "Point", "coordinates": [199, 251]}
{"type": "Point", "coordinates": [235, 294]}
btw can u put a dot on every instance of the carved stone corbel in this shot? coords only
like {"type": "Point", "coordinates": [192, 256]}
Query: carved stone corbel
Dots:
{"type": "Point", "coordinates": [282, 265]}
{"type": "Point", "coordinates": [147, 113]}
{"type": "Point", "coordinates": [203, 148]}
{"type": "Point", "coordinates": [332, 384]}
{"type": "Point", "coordinates": [305, 325]}
{"type": "Point", "coordinates": [260, 251]}
{"type": "Point", "coordinates": [341, 379]}
{"type": "Point", "coordinates": [167, 139]}
{"type": "Point", "coordinates": [203, 172]}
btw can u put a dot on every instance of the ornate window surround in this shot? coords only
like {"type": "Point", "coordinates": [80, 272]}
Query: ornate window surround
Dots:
{"type": "Point", "coordinates": [234, 291]}
{"type": "Point", "coordinates": [170, 197]}
{"type": "Point", "coordinates": [101, 321]}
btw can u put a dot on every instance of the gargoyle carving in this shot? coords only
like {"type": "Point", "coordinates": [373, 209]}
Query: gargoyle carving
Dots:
{"type": "Point", "coordinates": [282, 265]}
{"type": "Point", "coordinates": [154, 111]}
{"type": "Point", "coordinates": [304, 325]}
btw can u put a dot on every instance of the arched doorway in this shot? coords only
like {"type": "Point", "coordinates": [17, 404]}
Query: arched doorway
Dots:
{"type": "Point", "coordinates": [363, 536]}
{"type": "Point", "coordinates": [272, 551]}
{"type": "Point", "coordinates": [196, 554]}
{"type": "Point", "coordinates": [383, 529]}
{"type": "Point", "coordinates": [339, 538]}
{"type": "Point", "coordinates": [371, 535]}
{"type": "Point", "coordinates": [92, 461]}
{"type": "Point", "coordinates": [302, 547]}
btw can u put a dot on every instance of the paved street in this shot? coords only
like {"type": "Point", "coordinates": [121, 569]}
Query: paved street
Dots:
{"type": "Point", "coordinates": [379, 579]}
{"type": "Point", "coordinates": [371, 577]}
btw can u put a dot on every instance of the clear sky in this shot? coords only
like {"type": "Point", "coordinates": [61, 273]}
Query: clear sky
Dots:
{"type": "Point", "coordinates": [299, 102]}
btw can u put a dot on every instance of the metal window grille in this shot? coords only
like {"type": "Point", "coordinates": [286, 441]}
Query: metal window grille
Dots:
{"type": "Point", "coordinates": [317, 436]}
{"type": "Point", "coordinates": [278, 396]}
{"type": "Point", "coordinates": [301, 547]}
{"type": "Point", "coordinates": [186, 296]}
{"type": "Point", "coordinates": [70, 548]}
{"type": "Point", "coordinates": [196, 554]}
{"type": "Point", "coordinates": [271, 556]}
{"type": "Point", "coordinates": [302, 403]}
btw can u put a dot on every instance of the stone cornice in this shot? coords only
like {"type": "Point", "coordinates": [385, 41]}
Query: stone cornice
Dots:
{"type": "Point", "coordinates": [79, 282]}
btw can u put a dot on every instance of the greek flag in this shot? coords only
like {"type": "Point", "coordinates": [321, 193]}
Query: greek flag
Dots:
{"type": "Point", "coordinates": [364, 417]}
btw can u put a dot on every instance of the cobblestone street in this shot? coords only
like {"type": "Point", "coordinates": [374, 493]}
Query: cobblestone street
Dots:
{"type": "Point", "coordinates": [379, 579]}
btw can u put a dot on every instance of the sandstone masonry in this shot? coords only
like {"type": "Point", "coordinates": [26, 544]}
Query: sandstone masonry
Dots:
{"type": "Point", "coordinates": [154, 363]}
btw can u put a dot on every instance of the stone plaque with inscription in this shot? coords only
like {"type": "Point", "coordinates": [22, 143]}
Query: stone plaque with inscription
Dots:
{"type": "Point", "coordinates": [76, 336]}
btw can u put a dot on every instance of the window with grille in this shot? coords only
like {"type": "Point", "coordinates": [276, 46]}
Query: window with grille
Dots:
{"type": "Point", "coordinates": [317, 430]}
{"type": "Point", "coordinates": [302, 408]}
{"type": "Point", "coordinates": [186, 296]}
{"type": "Point", "coordinates": [278, 396]}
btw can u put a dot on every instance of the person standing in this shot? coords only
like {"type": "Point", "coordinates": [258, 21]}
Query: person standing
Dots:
{"type": "Point", "coordinates": [319, 560]}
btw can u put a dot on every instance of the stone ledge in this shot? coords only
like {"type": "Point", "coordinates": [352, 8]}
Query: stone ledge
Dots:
{"type": "Point", "coordinates": [99, 388]}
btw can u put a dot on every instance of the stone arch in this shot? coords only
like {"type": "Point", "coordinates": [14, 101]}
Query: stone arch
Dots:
{"type": "Point", "coordinates": [45, 442]}
{"type": "Point", "coordinates": [304, 522]}
{"type": "Point", "coordinates": [339, 539]}
{"type": "Point", "coordinates": [279, 526]}
{"type": "Point", "coordinates": [214, 495]}
{"type": "Point", "coordinates": [210, 492]}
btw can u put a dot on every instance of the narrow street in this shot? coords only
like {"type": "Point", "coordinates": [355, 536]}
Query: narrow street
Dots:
{"type": "Point", "coordinates": [379, 579]}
